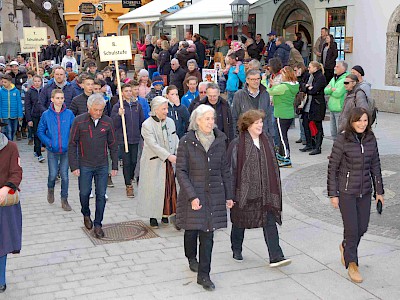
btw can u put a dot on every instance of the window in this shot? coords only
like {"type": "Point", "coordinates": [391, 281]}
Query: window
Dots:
{"type": "Point", "coordinates": [392, 69]}
{"type": "Point", "coordinates": [337, 27]}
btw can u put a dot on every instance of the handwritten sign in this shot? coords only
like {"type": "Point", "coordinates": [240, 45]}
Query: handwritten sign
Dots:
{"type": "Point", "coordinates": [35, 35]}
{"type": "Point", "coordinates": [210, 75]}
{"type": "Point", "coordinates": [27, 48]}
{"type": "Point", "coordinates": [113, 48]}
{"type": "Point", "coordinates": [1, 37]}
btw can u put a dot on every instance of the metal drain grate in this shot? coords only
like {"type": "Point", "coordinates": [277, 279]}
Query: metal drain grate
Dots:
{"type": "Point", "coordinates": [122, 232]}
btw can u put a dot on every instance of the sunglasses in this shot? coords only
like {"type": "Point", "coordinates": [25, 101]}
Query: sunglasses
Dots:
{"type": "Point", "coordinates": [347, 82]}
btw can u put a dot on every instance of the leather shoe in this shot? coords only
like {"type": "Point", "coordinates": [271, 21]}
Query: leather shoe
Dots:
{"type": "Point", "coordinates": [206, 283]}
{"type": "Point", "coordinates": [193, 265]}
{"type": "Point", "coordinates": [306, 149]}
{"type": "Point", "coordinates": [315, 151]}
{"type": "Point", "coordinates": [237, 256]}
{"type": "Point", "coordinates": [299, 141]}
{"type": "Point", "coordinates": [3, 288]}
{"type": "Point", "coordinates": [98, 232]}
{"type": "Point", "coordinates": [88, 222]}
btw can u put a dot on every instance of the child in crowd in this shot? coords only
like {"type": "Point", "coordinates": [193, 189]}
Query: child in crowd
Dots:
{"type": "Point", "coordinates": [192, 92]}
{"type": "Point", "coordinates": [237, 48]}
{"type": "Point", "coordinates": [144, 83]}
{"type": "Point", "coordinates": [156, 89]}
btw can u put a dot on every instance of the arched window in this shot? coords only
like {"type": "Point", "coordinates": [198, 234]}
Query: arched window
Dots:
{"type": "Point", "coordinates": [393, 50]}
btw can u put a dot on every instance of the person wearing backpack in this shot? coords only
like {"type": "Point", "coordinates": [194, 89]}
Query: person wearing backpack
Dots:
{"type": "Point", "coordinates": [355, 97]}
{"type": "Point", "coordinates": [336, 92]}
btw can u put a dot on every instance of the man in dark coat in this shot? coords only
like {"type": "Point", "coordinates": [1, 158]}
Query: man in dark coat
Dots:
{"type": "Point", "coordinates": [222, 109]}
{"type": "Point", "coordinates": [79, 103]}
{"type": "Point", "coordinates": [260, 44]}
{"type": "Point", "coordinates": [200, 51]}
{"type": "Point", "coordinates": [271, 46]}
{"type": "Point", "coordinates": [177, 76]}
{"type": "Point", "coordinates": [282, 50]}
{"type": "Point", "coordinates": [149, 63]}
{"type": "Point", "coordinates": [18, 77]}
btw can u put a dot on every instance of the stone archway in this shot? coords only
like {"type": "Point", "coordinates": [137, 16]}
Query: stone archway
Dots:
{"type": "Point", "coordinates": [284, 10]}
{"type": "Point", "coordinates": [392, 49]}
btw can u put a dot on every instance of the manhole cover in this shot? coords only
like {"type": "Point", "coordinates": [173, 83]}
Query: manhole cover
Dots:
{"type": "Point", "coordinates": [122, 232]}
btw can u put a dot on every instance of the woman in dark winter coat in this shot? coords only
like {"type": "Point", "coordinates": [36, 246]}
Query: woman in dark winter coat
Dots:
{"type": "Point", "coordinates": [354, 161]}
{"type": "Point", "coordinates": [256, 187]}
{"type": "Point", "coordinates": [149, 63]}
{"type": "Point", "coordinates": [205, 189]}
{"type": "Point", "coordinates": [315, 107]}
{"type": "Point", "coordinates": [164, 59]}
{"type": "Point", "coordinates": [328, 57]}
{"type": "Point", "coordinates": [200, 51]}
{"type": "Point", "coordinates": [10, 216]}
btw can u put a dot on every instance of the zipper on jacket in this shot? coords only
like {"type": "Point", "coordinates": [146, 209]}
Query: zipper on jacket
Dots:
{"type": "Point", "coordinates": [59, 132]}
{"type": "Point", "coordinates": [362, 168]}
{"type": "Point", "coordinates": [90, 131]}
{"type": "Point", "coordinates": [347, 180]}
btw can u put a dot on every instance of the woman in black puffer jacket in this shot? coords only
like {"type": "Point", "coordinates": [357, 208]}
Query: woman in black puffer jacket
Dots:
{"type": "Point", "coordinates": [205, 189]}
{"type": "Point", "coordinates": [353, 164]}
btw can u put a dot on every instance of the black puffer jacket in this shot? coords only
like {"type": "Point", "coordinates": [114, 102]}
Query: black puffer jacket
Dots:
{"type": "Point", "coordinates": [205, 176]}
{"type": "Point", "coordinates": [352, 164]}
{"type": "Point", "coordinates": [318, 104]}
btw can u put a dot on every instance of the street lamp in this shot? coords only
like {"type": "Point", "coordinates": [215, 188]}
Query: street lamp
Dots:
{"type": "Point", "coordinates": [240, 14]}
{"type": "Point", "coordinates": [98, 25]}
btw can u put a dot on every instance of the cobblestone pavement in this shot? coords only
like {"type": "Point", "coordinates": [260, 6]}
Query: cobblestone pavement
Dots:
{"type": "Point", "coordinates": [58, 260]}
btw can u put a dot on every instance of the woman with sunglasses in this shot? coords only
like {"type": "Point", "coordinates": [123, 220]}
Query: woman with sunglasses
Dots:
{"type": "Point", "coordinates": [355, 97]}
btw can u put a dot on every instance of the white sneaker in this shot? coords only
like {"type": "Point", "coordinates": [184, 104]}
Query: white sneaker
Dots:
{"type": "Point", "coordinates": [280, 262]}
{"type": "Point", "coordinates": [91, 195]}
{"type": "Point", "coordinates": [106, 196]}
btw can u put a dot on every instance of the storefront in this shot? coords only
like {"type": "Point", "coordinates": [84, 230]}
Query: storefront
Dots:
{"type": "Point", "coordinates": [366, 32]}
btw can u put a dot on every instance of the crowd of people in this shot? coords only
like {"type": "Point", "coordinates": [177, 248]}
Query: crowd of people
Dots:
{"type": "Point", "coordinates": [224, 149]}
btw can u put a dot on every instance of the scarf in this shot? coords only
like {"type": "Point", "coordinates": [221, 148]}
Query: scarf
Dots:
{"type": "Point", "coordinates": [206, 140]}
{"type": "Point", "coordinates": [255, 180]}
{"type": "Point", "coordinates": [3, 141]}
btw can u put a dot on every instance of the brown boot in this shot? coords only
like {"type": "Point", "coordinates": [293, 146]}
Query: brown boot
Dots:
{"type": "Point", "coordinates": [342, 254]}
{"type": "Point", "coordinates": [65, 205]}
{"type": "Point", "coordinates": [129, 191]}
{"type": "Point", "coordinates": [50, 196]}
{"type": "Point", "coordinates": [354, 274]}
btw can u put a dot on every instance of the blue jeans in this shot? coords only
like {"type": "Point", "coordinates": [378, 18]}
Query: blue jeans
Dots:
{"type": "Point", "coordinates": [3, 262]}
{"type": "Point", "coordinates": [334, 124]}
{"type": "Point", "coordinates": [274, 126]}
{"type": "Point", "coordinates": [302, 134]}
{"type": "Point", "coordinates": [58, 162]}
{"type": "Point", "coordinates": [10, 130]}
{"type": "Point", "coordinates": [100, 175]}
{"type": "Point", "coordinates": [230, 98]}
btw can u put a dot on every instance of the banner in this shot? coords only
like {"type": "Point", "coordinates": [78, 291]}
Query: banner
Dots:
{"type": "Point", "coordinates": [35, 35]}
{"type": "Point", "coordinates": [113, 48]}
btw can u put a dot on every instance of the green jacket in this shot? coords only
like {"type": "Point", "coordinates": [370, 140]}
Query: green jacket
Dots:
{"type": "Point", "coordinates": [336, 98]}
{"type": "Point", "coordinates": [283, 99]}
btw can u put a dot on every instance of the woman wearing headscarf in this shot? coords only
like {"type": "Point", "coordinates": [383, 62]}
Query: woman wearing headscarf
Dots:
{"type": "Point", "coordinates": [10, 216]}
{"type": "Point", "coordinates": [157, 188]}
{"type": "Point", "coordinates": [205, 189]}
{"type": "Point", "coordinates": [257, 187]}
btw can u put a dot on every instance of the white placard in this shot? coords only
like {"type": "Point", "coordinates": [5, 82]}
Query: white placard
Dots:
{"type": "Point", "coordinates": [27, 48]}
{"type": "Point", "coordinates": [35, 35]}
{"type": "Point", "coordinates": [210, 75]}
{"type": "Point", "coordinates": [113, 48]}
{"type": "Point", "coordinates": [1, 37]}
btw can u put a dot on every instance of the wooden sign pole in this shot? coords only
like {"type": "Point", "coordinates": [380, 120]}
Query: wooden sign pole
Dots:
{"type": "Point", "coordinates": [121, 104]}
{"type": "Point", "coordinates": [37, 60]}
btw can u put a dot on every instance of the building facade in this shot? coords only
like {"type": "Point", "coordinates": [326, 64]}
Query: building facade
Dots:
{"type": "Point", "coordinates": [367, 33]}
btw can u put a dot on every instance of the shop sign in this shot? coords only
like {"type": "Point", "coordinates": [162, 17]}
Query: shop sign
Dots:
{"type": "Point", "coordinates": [87, 19]}
{"type": "Point", "coordinates": [87, 8]}
{"type": "Point", "coordinates": [131, 3]}
{"type": "Point", "coordinates": [115, 48]}
{"type": "Point", "coordinates": [35, 35]}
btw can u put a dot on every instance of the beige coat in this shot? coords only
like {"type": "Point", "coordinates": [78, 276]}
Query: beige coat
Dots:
{"type": "Point", "coordinates": [158, 145]}
{"type": "Point", "coordinates": [295, 57]}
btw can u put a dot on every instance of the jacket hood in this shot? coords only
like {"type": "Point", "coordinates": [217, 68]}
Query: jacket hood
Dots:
{"type": "Point", "coordinates": [12, 86]}
{"type": "Point", "coordinates": [284, 46]}
{"type": "Point", "coordinates": [293, 86]}
{"type": "Point", "coordinates": [35, 89]}
{"type": "Point", "coordinates": [364, 83]}
{"type": "Point", "coordinates": [3, 141]}
{"type": "Point", "coordinates": [64, 107]}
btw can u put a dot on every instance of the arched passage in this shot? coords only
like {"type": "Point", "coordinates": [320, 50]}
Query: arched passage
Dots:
{"type": "Point", "coordinates": [392, 50]}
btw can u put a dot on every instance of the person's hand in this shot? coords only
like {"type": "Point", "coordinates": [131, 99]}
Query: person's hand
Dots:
{"type": "Point", "coordinates": [172, 159]}
{"type": "Point", "coordinates": [121, 111]}
{"type": "Point", "coordinates": [20, 119]}
{"type": "Point", "coordinates": [264, 77]}
{"type": "Point", "coordinates": [196, 204]}
{"type": "Point", "coordinates": [335, 202]}
{"type": "Point", "coordinates": [77, 172]}
{"type": "Point", "coordinates": [230, 203]}
{"type": "Point", "coordinates": [310, 87]}
{"type": "Point", "coordinates": [333, 89]}
{"type": "Point", "coordinates": [380, 197]}
{"type": "Point", "coordinates": [114, 173]}
{"type": "Point", "coordinates": [3, 193]}
{"type": "Point", "coordinates": [175, 100]}
{"type": "Point", "coordinates": [30, 124]}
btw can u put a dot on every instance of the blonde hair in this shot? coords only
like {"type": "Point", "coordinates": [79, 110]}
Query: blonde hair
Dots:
{"type": "Point", "coordinates": [317, 65]}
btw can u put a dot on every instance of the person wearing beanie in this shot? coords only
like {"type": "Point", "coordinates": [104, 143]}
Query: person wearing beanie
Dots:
{"type": "Point", "coordinates": [364, 85]}
{"type": "Point", "coordinates": [144, 83]}
{"type": "Point", "coordinates": [68, 67]}
{"type": "Point", "coordinates": [156, 89]}
{"type": "Point", "coordinates": [68, 57]}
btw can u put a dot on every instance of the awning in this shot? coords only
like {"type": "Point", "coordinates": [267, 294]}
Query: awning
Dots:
{"type": "Point", "coordinates": [150, 12]}
{"type": "Point", "coordinates": [203, 12]}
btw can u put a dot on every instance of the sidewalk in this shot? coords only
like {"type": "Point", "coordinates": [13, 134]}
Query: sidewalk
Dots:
{"type": "Point", "coordinates": [58, 261]}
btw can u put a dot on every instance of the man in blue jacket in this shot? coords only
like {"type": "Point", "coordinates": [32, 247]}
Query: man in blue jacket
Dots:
{"type": "Point", "coordinates": [10, 107]}
{"type": "Point", "coordinates": [282, 50]}
{"type": "Point", "coordinates": [54, 129]}
{"type": "Point", "coordinates": [234, 80]}
{"type": "Point", "coordinates": [60, 82]}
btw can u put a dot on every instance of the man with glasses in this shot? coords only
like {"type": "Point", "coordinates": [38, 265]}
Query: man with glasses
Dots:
{"type": "Point", "coordinates": [222, 110]}
{"type": "Point", "coordinates": [253, 96]}
{"type": "Point", "coordinates": [202, 93]}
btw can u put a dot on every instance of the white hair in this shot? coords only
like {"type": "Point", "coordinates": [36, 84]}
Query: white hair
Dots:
{"type": "Point", "coordinates": [156, 103]}
{"type": "Point", "coordinates": [175, 60]}
{"type": "Point", "coordinates": [198, 113]}
{"type": "Point", "coordinates": [203, 83]}
{"type": "Point", "coordinates": [95, 99]}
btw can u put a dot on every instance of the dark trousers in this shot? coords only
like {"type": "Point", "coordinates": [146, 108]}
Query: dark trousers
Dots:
{"type": "Point", "coordinates": [329, 73]}
{"type": "Point", "coordinates": [271, 238]}
{"type": "Point", "coordinates": [129, 161]}
{"type": "Point", "coordinates": [355, 215]}
{"type": "Point", "coordinates": [283, 128]}
{"type": "Point", "coordinates": [37, 143]}
{"type": "Point", "coordinates": [205, 249]}
{"type": "Point", "coordinates": [100, 175]}
{"type": "Point", "coordinates": [307, 131]}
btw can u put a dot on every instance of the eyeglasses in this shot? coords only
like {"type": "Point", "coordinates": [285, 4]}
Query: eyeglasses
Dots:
{"type": "Point", "coordinates": [254, 79]}
{"type": "Point", "coordinates": [347, 82]}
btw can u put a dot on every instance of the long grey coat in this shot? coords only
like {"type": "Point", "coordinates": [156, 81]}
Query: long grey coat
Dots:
{"type": "Point", "coordinates": [158, 145]}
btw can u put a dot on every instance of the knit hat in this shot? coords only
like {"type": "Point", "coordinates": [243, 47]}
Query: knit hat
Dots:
{"type": "Point", "coordinates": [359, 69]}
{"type": "Point", "coordinates": [143, 72]}
{"type": "Point", "coordinates": [158, 80]}
{"type": "Point", "coordinates": [155, 74]}
{"type": "Point", "coordinates": [68, 65]}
